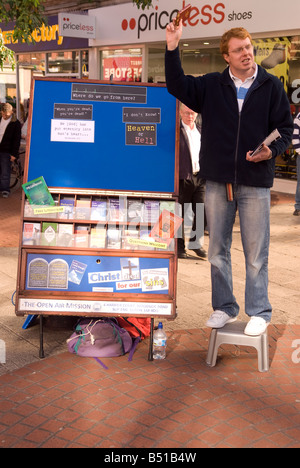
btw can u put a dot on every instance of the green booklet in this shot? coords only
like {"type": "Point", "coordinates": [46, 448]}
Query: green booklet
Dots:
{"type": "Point", "coordinates": [37, 192]}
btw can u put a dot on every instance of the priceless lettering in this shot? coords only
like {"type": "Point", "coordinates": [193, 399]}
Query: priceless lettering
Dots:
{"type": "Point", "coordinates": [77, 27]}
{"type": "Point", "coordinates": [202, 16]}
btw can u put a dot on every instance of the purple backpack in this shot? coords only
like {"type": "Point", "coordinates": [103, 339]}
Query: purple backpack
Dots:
{"type": "Point", "coordinates": [100, 338]}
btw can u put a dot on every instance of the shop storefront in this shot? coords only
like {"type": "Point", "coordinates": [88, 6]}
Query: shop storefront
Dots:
{"type": "Point", "coordinates": [130, 43]}
{"type": "Point", "coordinates": [49, 54]}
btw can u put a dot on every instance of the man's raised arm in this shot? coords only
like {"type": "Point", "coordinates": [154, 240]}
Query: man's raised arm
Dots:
{"type": "Point", "coordinates": [173, 35]}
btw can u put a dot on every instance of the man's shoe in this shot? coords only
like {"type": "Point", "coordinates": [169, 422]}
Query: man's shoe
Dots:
{"type": "Point", "coordinates": [182, 254]}
{"type": "Point", "coordinates": [256, 326]}
{"type": "Point", "coordinates": [200, 252]}
{"type": "Point", "coordinates": [5, 194]}
{"type": "Point", "coordinates": [296, 213]}
{"type": "Point", "coordinates": [218, 319]}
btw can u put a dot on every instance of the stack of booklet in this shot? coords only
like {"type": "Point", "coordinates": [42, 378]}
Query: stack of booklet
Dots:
{"type": "Point", "coordinates": [83, 221]}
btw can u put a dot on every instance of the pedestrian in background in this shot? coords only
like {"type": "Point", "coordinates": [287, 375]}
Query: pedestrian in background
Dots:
{"type": "Point", "coordinates": [10, 138]}
{"type": "Point", "coordinates": [191, 186]}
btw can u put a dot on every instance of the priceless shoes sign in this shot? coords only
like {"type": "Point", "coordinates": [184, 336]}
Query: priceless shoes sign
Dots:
{"type": "Point", "coordinates": [126, 24]}
{"type": "Point", "coordinates": [71, 25]}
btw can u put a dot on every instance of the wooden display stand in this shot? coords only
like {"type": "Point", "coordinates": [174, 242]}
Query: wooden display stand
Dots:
{"type": "Point", "coordinates": [109, 155]}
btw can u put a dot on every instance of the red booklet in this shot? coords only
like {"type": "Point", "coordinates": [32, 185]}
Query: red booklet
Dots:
{"type": "Point", "coordinates": [165, 228]}
{"type": "Point", "coordinates": [183, 14]}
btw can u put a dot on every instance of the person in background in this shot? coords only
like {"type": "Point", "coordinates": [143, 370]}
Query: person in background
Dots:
{"type": "Point", "coordinates": [10, 137]}
{"type": "Point", "coordinates": [296, 144]}
{"type": "Point", "coordinates": [239, 108]}
{"type": "Point", "coordinates": [191, 186]}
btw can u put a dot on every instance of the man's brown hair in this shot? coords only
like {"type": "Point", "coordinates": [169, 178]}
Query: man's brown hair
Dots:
{"type": "Point", "coordinates": [238, 33]}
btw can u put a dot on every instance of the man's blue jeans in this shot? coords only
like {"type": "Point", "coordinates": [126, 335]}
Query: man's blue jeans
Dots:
{"type": "Point", "coordinates": [5, 170]}
{"type": "Point", "coordinates": [253, 205]}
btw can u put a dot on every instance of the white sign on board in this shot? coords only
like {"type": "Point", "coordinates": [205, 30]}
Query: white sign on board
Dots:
{"type": "Point", "coordinates": [118, 308]}
{"type": "Point", "coordinates": [77, 131]}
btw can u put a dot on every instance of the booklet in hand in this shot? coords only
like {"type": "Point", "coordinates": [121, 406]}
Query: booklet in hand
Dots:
{"type": "Point", "coordinates": [275, 135]}
{"type": "Point", "coordinates": [183, 14]}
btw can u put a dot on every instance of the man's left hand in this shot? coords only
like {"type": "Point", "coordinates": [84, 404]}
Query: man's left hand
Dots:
{"type": "Point", "coordinates": [264, 154]}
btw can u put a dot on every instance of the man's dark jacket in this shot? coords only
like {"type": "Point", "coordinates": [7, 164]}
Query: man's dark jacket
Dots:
{"type": "Point", "coordinates": [226, 134]}
{"type": "Point", "coordinates": [11, 139]}
{"type": "Point", "coordinates": [185, 157]}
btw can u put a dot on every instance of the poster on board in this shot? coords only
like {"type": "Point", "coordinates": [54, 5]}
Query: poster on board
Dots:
{"type": "Point", "coordinates": [89, 273]}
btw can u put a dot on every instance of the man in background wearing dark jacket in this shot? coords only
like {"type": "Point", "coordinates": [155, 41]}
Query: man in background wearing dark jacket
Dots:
{"type": "Point", "coordinates": [10, 137]}
{"type": "Point", "coordinates": [191, 186]}
{"type": "Point", "coordinates": [239, 108]}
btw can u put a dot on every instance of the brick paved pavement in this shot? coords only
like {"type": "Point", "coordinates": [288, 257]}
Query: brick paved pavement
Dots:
{"type": "Point", "coordinates": [67, 401]}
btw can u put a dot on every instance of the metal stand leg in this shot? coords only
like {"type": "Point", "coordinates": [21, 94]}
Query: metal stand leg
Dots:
{"type": "Point", "coordinates": [150, 355]}
{"type": "Point", "coordinates": [42, 355]}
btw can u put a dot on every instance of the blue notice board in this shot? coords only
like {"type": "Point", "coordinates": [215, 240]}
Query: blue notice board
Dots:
{"type": "Point", "coordinates": [95, 135]}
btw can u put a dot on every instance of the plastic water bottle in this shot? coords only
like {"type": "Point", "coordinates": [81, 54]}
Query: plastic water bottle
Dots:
{"type": "Point", "coordinates": [159, 343]}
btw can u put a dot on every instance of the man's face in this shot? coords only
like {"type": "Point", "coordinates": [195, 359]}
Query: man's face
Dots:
{"type": "Point", "coordinates": [188, 116]}
{"type": "Point", "coordinates": [240, 56]}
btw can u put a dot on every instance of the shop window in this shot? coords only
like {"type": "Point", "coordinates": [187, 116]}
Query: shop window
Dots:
{"type": "Point", "coordinates": [295, 58]}
{"type": "Point", "coordinates": [121, 65]}
{"type": "Point", "coordinates": [156, 65]}
{"type": "Point", "coordinates": [294, 74]}
{"type": "Point", "coordinates": [63, 62]}
{"type": "Point", "coordinates": [34, 62]}
{"type": "Point", "coordinates": [7, 85]}
{"type": "Point", "coordinates": [85, 63]}
{"type": "Point", "coordinates": [280, 56]}
{"type": "Point", "coordinates": [201, 61]}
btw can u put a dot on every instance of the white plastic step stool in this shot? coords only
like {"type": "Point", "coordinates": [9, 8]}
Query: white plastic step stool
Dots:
{"type": "Point", "coordinates": [233, 333]}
